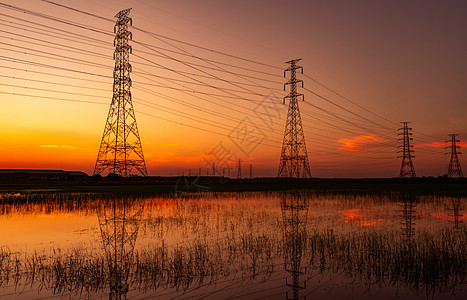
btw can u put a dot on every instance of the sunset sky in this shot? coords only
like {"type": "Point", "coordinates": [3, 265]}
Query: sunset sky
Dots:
{"type": "Point", "coordinates": [208, 82]}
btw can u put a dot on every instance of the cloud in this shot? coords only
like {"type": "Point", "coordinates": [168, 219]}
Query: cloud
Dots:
{"type": "Point", "coordinates": [432, 145]}
{"type": "Point", "coordinates": [440, 144]}
{"type": "Point", "coordinates": [58, 146]}
{"type": "Point", "coordinates": [358, 144]}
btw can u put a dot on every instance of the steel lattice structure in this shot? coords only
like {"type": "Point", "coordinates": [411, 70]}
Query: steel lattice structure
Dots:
{"type": "Point", "coordinates": [294, 156]}
{"type": "Point", "coordinates": [119, 230]}
{"type": "Point", "coordinates": [120, 151]}
{"type": "Point", "coordinates": [294, 209]}
{"type": "Point", "coordinates": [239, 169]}
{"type": "Point", "coordinates": [454, 169]}
{"type": "Point", "coordinates": [457, 212]}
{"type": "Point", "coordinates": [408, 213]}
{"type": "Point", "coordinates": [407, 169]}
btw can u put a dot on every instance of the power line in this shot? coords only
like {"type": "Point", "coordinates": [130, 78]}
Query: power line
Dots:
{"type": "Point", "coordinates": [52, 98]}
{"type": "Point", "coordinates": [168, 38]}
{"type": "Point", "coordinates": [347, 99]}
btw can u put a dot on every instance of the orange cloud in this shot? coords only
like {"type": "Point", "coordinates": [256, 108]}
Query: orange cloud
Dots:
{"type": "Point", "coordinates": [58, 146]}
{"type": "Point", "coordinates": [433, 145]}
{"type": "Point", "coordinates": [441, 144]}
{"type": "Point", "coordinates": [356, 144]}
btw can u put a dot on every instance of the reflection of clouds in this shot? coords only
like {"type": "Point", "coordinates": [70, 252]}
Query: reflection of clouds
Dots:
{"type": "Point", "coordinates": [356, 215]}
{"type": "Point", "coordinates": [442, 216]}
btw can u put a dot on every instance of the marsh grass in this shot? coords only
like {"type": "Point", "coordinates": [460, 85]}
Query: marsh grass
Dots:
{"type": "Point", "coordinates": [432, 264]}
{"type": "Point", "coordinates": [237, 236]}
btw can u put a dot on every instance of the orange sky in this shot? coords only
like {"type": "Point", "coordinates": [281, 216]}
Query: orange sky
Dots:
{"type": "Point", "coordinates": [381, 63]}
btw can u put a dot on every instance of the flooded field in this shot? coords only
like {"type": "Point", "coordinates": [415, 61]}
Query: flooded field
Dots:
{"type": "Point", "coordinates": [233, 246]}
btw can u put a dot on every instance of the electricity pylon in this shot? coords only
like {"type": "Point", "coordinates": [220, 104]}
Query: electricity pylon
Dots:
{"type": "Point", "coordinates": [120, 150]}
{"type": "Point", "coordinates": [454, 169]}
{"type": "Point", "coordinates": [294, 209]}
{"type": "Point", "coordinates": [239, 170]}
{"type": "Point", "coordinates": [119, 230]}
{"type": "Point", "coordinates": [407, 169]}
{"type": "Point", "coordinates": [294, 157]}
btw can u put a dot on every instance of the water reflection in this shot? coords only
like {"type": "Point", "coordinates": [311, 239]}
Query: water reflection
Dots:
{"type": "Point", "coordinates": [294, 208]}
{"type": "Point", "coordinates": [408, 203]}
{"type": "Point", "coordinates": [457, 212]}
{"type": "Point", "coordinates": [119, 225]}
{"type": "Point", "coordinates": [242, 244]}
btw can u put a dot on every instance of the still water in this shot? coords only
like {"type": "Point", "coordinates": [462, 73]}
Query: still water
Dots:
{"type": "Point", "coordinates": [233, 246]}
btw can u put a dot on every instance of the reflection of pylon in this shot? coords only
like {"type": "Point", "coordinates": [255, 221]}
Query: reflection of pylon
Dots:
{"type": "Point", "coordinates": [119, 229]}
{"type": "Point", "coordinates": [408, 212]}
{"type": "Point", "coordinates": [457, 211]}
{"type": "Point", "coordinates": [120, 150]}
{"type": "Point", "coordinates": [294, 209]}
{"type": "Point", "coordinates": [294, 156]}
{"type": "Point", "coordinates": [239, 170]}
{"type": "Point", "coordinates": [407, 169]}
{"type": "Point", "coordinates": [454, 169]}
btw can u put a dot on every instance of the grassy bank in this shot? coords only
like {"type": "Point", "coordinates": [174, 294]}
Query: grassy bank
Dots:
{"type": "Point", "coordinates": [164, 185]}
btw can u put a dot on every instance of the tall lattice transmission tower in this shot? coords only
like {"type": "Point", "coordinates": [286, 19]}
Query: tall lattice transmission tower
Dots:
{"type": "Point", "coordinates": [407, 169]}
{"type": "Point", "coordinates": [120, 151]}
{"type": "Point", "coordinates": [454, 169]}
{"type": "Point", "coordinates": [294, 157]}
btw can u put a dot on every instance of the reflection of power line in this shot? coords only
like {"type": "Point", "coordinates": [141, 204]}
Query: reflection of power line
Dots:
{"type": "Point", "coordinates": [294, 209]}
{"type": "Point", "coordinates": [119, 229]}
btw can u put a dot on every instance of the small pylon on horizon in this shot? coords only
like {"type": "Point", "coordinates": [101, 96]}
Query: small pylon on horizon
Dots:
{"type": "Point", "coordinates": [454, 169]}
{"type": "Point", "coordinates": [239, 170]}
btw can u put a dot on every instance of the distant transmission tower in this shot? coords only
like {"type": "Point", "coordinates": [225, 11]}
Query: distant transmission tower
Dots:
{"type": "Point", "coordinates": [407, 169]}
{"type": "Point", "coordinates": [251, 171]}
{"type": "Point", "coordinates": [294, 157]}
{"type": "Point", "coordinates": [239, 170]}
{"type": "Point", "coordinates": [454, 169]}
{"type": "Point", "coordinates": [120, 150]}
